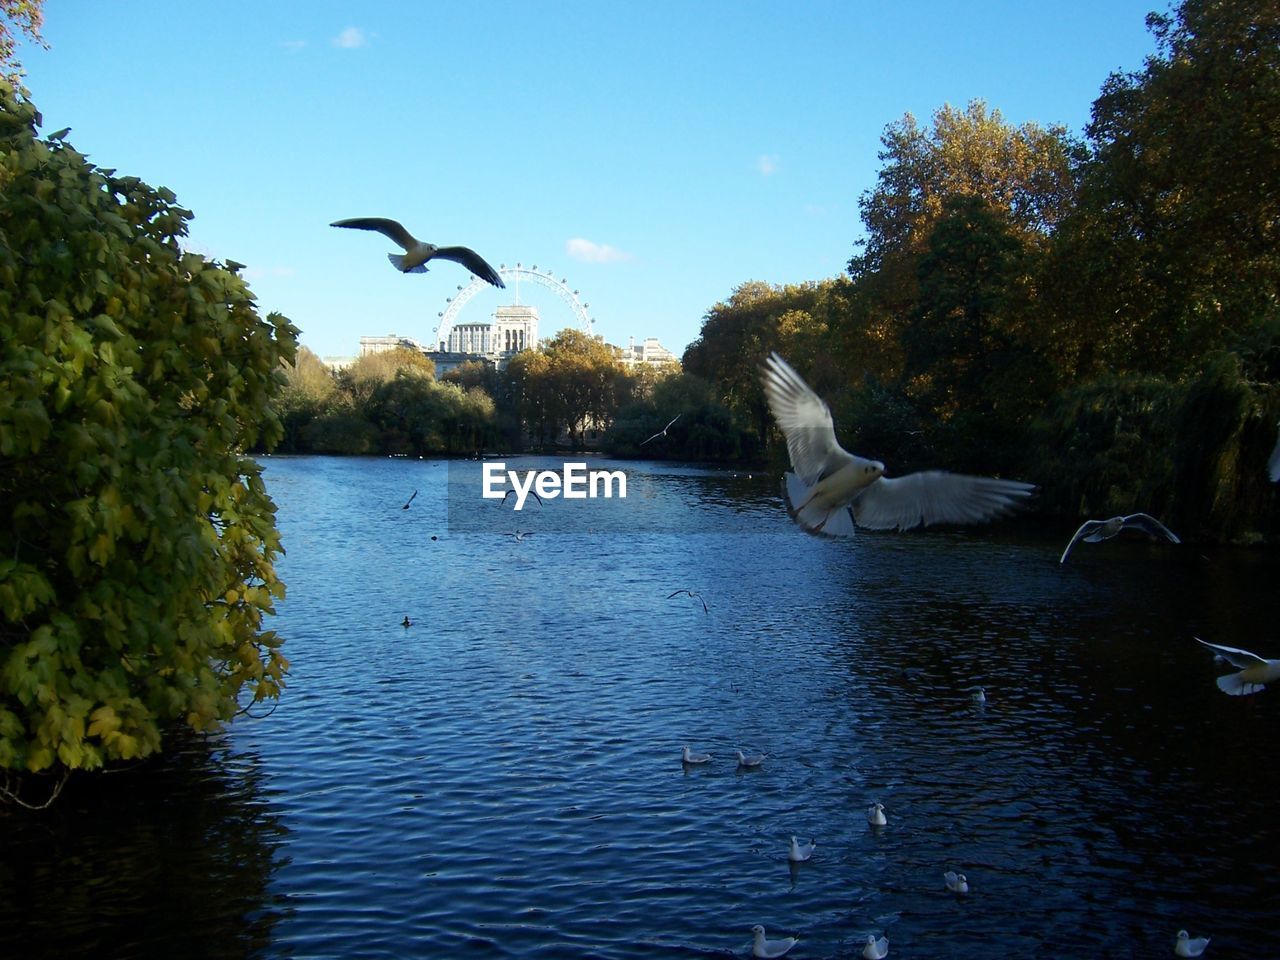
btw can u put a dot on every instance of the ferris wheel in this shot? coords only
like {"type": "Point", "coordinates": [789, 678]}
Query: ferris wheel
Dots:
{"type": "Point", "coordinates": [513, 276]}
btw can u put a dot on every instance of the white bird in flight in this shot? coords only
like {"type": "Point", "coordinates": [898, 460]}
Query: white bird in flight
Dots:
{"type": "Point", "coordinates": [662, 432]}
{"type": "Point", "coordinates": [799, 853]}
{"type": "Point", "coordinates": [1254, 674]}
{"type": "Point", "coordinates": [875, 815]}
{"type": "Point", "coordinates": [688, 756]}
{"type": "Point", "coordinates": [833, 492]}
{"type": "Point", "coordinates": [417, 252]}
{"type": "Point", "coordinates": [876, 949]}
{"type": "Point", "coordinates": [1187, 946]}
{"type": "Point", "coordinates": [956, 882]}
{"type": "Point", "coordinates": [1095, 531]}
{"type": "Point", "coordinates": [760, 947]}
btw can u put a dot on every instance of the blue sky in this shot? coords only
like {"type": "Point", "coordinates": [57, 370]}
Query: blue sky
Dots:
{"type": "Point", "coordinates": [656, 154]}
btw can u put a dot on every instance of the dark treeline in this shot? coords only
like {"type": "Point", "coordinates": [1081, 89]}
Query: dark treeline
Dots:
{"type": "Point", "coordinates": [572, 393]}
{"type": "Point", "coordinates": [1097, 317]}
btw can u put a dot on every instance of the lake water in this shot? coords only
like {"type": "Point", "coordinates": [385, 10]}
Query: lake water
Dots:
{"type": "Point", "coordinates": [503, 778]}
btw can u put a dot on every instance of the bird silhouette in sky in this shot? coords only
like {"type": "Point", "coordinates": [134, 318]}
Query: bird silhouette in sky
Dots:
{"type": "Point", "coordinates": [418, 252]}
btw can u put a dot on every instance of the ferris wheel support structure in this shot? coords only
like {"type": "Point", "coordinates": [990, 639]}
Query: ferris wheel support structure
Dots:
{"type": "Point", "coordinates": [513, 277]}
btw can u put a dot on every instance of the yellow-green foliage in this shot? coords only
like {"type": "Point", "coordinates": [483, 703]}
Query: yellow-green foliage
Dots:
{"type": "Point", "coordinates": [136, 541]}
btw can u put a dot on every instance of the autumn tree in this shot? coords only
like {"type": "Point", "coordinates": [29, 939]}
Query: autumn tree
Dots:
{"type": "Point", "coordinates": [1175, 249]}
{"type": "Point", "coordinates": [27, 16]}
{"type": "Point", "coordinates": [136, 539]}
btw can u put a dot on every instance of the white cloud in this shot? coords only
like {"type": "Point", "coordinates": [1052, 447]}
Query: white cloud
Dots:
{"type": "Point", "coordinates": [767, 164]}
{"type": "Point", "coordinates": [351, 38]}
{"type": "Point", "coordinates": [589, 252]}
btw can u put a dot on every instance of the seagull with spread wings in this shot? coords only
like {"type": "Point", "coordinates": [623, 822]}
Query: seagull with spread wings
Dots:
{"type": "Point", "coordinates": [1095, 531]}
{"type": "Point", "coordinates": [662, 432]}
{"type": "Point", "coordinates": [832, 491]}
{"type": "Point", "coordinates": [418, 252]}
{"type": "Point", "coordinates": [1253, 672]}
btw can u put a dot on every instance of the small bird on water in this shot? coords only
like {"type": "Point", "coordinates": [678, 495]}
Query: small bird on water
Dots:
{"type": "Point", "coordinates": [876, 949]}
{"type": "Point", "coordinates": [956, 882]}
{"type": "Point", "coordinates": [750, 760]}
{"type": "Point", "coordinates": [798, 852]}
{"type": "Point", "coordinates": [418, 252]}
{"type": "Point", "coordinates": [688, 756]}
{"type": "Point", "coordinates": [1187, 946]}
{"type": "Point", "coordinates": [406, 622]}
{"type": "Point", "coordinates": [875, 815]}
{"type": "Point", "coordinates": [760, 947]}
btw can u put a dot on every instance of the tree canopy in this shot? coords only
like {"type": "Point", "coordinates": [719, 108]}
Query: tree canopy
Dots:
{"type": "Point", "coordinates": [137, 540]}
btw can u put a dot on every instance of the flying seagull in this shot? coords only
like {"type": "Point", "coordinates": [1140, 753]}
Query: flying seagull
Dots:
{"type": "Point", "coordinates": [1095, 531]}
{"type": "Point", "coordinates": [692, 593]}
{"type": "Point", "coordinates": [1185, 946]}
{"type": "Point", "coordinates": [760, 947]}
{"type": "Point", "coordinates": [520, 536]}
{"type": "Point", "coordinates": [531, 490]}
{"type": "Point", "coordinates": [414, 260]}
{"type": "Point", "coordinates": [832, 491]}
{"type": "Point", "coordinates": [1254, 674]}
{"type": "Point", "coordinates": [409, 501]}
{"type": "Point", "coordinates": [662, 432]}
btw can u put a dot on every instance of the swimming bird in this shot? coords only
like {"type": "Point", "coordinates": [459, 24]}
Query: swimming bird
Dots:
{"type": "Point", "coordinates": [761, 947]}
{"type": "Point", "coordinates": [979, 695]}
{"type": "Point", "coordinates": [875, 815]}
{"type": "Point", "coordinates": [754, 760]}
{"type": "Point", "coordinates": [688, 756]}
{"type": "Point", "coordinates": [1255, 671]}
{"type": "Point", "coordinates": [832, 491]}
{"type": "Point", "coordinates": [956, 882]}
{"type": "Point", "coordinates": [1094, 531]}
{"type": "Point", "coordinates": [692, 593]}
{"type": "Point", "coordinates": [798, 853]}
{"type": "Point", "coordinates": [406, 622]}
{"type": "Point", "coordinates": [520, 536]}
{"type": "Point", "coordinates": [876, 949]}
{"type": "Point", "coordinates": [1185, 946]}
{"type": "Point", "coordinates": [662, 432]}
{"type": "Point", "coordinates": [417, 253]}
{"type": "Point", "coordinates": [409, 501]}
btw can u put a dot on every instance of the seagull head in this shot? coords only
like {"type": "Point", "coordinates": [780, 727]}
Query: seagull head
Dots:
{"type": "Point", "coordinates": [874, 470]}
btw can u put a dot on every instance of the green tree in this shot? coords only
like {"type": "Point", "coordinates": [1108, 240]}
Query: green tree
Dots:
{"type": "Point", "coordinates": [27, 16]}
{"type": "Point", "coordinates": [308, 390]}
{"type": "Point", "coordinates": [136, 539]}
{"type": "Point", "coordinates": [1175, 249]}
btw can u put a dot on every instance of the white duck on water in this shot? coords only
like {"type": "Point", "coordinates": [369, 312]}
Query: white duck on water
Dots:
{"type": "Point", "coordinates": [760, 947]}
